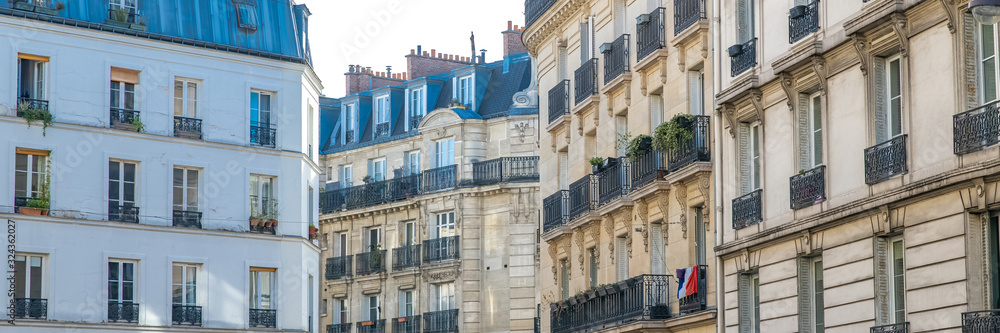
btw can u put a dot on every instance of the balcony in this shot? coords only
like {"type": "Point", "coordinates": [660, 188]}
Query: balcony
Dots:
{"type": "Point", "coordinates": [649, 33]}
{"type": "Point", "coordinates": [188, 315]}
{"type": "Point", "coordinates": [697, 301]}
{"type": "Point", "coordinates": [409, 324]}
{"type": "Point", "coordinates": [123, 312]}
{"type": "Point", "coordinates": [371, 326]}
{"type": "Point", "coordinates": [441, 249]}
{"type": "Point", "coordinates": [31, 103]}
{"type": "Point", "coordinates": [647, 168]}
{"type": "Point", "coordinates": [694, 150]}
{"type": "Point", "coordinates": [438, 179]}
{"type": "Point", "coordinates": [977, 129]}
{"type": "Point", "coordinates": [445, 321]}
{"type": "Point", "coordinates": [556, 210]}
{"type": "Point", "coordinates": [371, 194]}
{"type": "Point", "coordinates": [369, 263]}
{"type": "Point", "coordinates": [643, 297]}
{"type": "Point", "coordinates": [802, 21]}
{"type": "Point", "coordinates": [381, 130]}
{"type": "Point", "coordinates": [686, 13]}
{"type": "Point", "coordinates": [262, 134]}
{"type": "Point", "coordinates": [187, 219]}
{"type": "Point", "coordinates": [505, 170]}
{"type": "Point", "coordinates": [339, 267]}
{"type": "Point", "coordinates": [31, 308]}
{"type": "Point", "coordinates": [189, 128]}
{"type": "Point", "coordinates": [349, 136]}
{"type": "Point", "coordinates": [37, 6]}
{"type": "Point", "coordinates": [406, 257]}
{"type": "Point", "coordinates": [885, 160]}
{"type": "Point", "coordinates": [743, 57]}
{"type": "Point", "coordinates": [533, 10]}
{"type": "Point", "coordinates": [558, 101]}
{"type": "Point", "coordinates": [616, 58]}
{"type": "Point", "coordinates": [808, 188]}
{"type": "Point", "coordinates": [415, 121]}
{"type": "Point", "coordinates": [585, 79]}
{"type": "Point", "coordinates": [981, 321]}
{"type": "Point", "coordinates": [892, 328]}
{"type": "Point", "coordinates": [125, 119]}
{"type": "Point", "coordinates": [747, 210]}
{"type": "Point", "coordinates": [263, 318]}
{"type": "Point", "coordinates": [123, 213]}
{"type": "Point", "coordinates": [612, 182]}
{"type": "Point", "coordinates": [339, 328]}
{"type": "Point", "coordinates": [580, 196]}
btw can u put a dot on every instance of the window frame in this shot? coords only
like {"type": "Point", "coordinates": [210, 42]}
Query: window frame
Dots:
{"type": "Point", "coordinates": [122, 183]}
{"type": "Point", "coordinates": [564, 278]}
{"type": "Point", "coordinates": [256, 296]}
{"type": "Point", "coordinates": [381, 109]}
{"type": "Point", "coordinates": [185, 267]}
{"type": "Point", "coordinates": [412, 161]}
{"type": "Point", "coordinates": [259, 192]}
{"type": "Point", "coordinates": [889, 112]}
{"type": "Point", "coordinates": [258, 112]}
{"type": "Point", "coordinates": [378, 167]}
{"type": "Point", "coordinates": [407, 307]}
{"type": "Point", "coordinates": [815, 288]}
{"type": "Point", "coordinates": [444, 157]}
{"type": "Point", "coordinates": [755, 298]}
{"type": "Point", "coordinates": [246, 13]}
{"type": "Point", "coordinates": [443, 302]}
{"type": "Point", "coordinates": [26, 276]}
{"type": "Point", "coordinates": [345, 172]}
{"type": "Point", "coordinates": [121, 280]}
{"type": "Point", "coordinates": [465, 89]}
{"type": "Point", "coordinates": [185, 188]}
{"type": "Point", "coordinates": [980, 67]}
{"type": "Point", "coordinates": [39, 76]}
{"type": "Point", "coordinates": [893, 297]}
{"type": "Point", "coordinates": [188, 105]}
{"type": "Point", "coordinates": [30, 175]}
{"type": "Point", "coordinates": [444, 225]}
{"type": "Point", "coordinates": [755, 157]}
{"type": "Point", "coordinates": [121, 94]}
{"type": "Point", "coordinates": [814, 117]}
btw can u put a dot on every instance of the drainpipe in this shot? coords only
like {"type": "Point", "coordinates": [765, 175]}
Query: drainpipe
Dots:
{"type": "Point", "coordinates": [720, 303]}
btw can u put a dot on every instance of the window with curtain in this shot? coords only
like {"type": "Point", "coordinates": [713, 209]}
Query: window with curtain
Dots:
{"type": "Point", "coordinates": [261, 195]}
{"type": "Point", "coordinates": [185, 98]}
{"type": "Point", "coordinates": [186, 189]}
{"type": "Point", "coordinates": [262, 288]}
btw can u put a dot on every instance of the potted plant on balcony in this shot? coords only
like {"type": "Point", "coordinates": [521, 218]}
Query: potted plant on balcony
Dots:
{"type": "Point", "coordinates": [596, 164]}
{"type": "Point", "coordinates": [312, 231]}
{"type": "Point", "coordinates": [592, 292]}
{"type": "Point", "coordinates": [31, 114]}
{"type": "Point", "coordinates": [272, 214]}
{"type": "Point", "coordinates": [671, 134]}
{"type": "Point", "coordinates": [139, 126]}
{"type": "Point", "coordinates": [40, 205]}
{"type": "Point", "coordinates": [572, 301]}
{"type": "Point", "coordinates": [118, 18]}
{"type": "Point", "coordinates": [638, 146]}
{"type": "Point", "coordinates": [797, 11]}
{"type": "Point", "coordinates": [735, 50]}
{"type": "Point", "coordinates": [581, 297]}
{"type": "Point", "coordinates": [375, 260]}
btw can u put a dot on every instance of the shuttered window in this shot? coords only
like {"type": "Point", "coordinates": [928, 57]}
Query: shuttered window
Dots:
{"type": "Point", "coordinates": [563, 170]}
{"type": "Point", "coordinates": [810, 122]}
{"type": "Point", "coordinates": [818, 307]}
{"type": "Point", "coordinates": [586, 40]}
{"type": "Point", "coordinates": [888, 98]}
{"type": "Point", "coordinates": [810, 291]}
{"type": "Point", "coordinates": [619, 17]}
{"type": "Point", "coordinates": [622, 260]}
{"type": "Point", "coordinates": [696, 92]}
{"type": "Point", "coordinates": [748, 289]}
{"type": "Point", "coordinates": [564, 278]}
{"type": "Point", "coordinates": [593, 267]}
{"type": "Point", "coordinates": [658, 264]}
{"type": "Point", "coordinates": [988, 62]}
{"type": "Point", "coordinates": [750, 157]}
{"type": "Point", "coordinates": [897, 270]}
{"type": "Point", "coordinates": [655, 112]}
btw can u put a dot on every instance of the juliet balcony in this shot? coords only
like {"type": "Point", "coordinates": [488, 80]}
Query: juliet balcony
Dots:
{"type": "Point", "coordinates": [885, 160]}
{"type": "Point", "coordinates": [505, 170]}
{"type": "Point", "coordinates": [371, 326]}
{"type": "Point", "coordinates": [441, 249]}
{"type": "Point", "coordinates": [555, 210]}
{"type": "Point", "coordinates": [124, 119]}
{"type": "Point", "coordinates": [186, 315]}
{"type": "Point", "coordinates": [186, 219]}
{"type": "Point", "coordinates": [616, 58]}
{"type": "Point", "coordinates": [803, 20]}
{"type": "Point", "coordinates": [743, 57]}
{"type": "Point", "coordinates": [189, 128]}
{"type": "Point", "coordinates": [369, 263]}
{"type": "Point", "coordinates": [410, 324]}
{"type": "Point", "coordinates": [644, 297]}
{"type": "Point", "coordinates": [976, 129]}
{"type": "Point", "coordinates": [981, 321]}
{"type": "Point", "coordinates": [263, 134]}
{"type": "Point", "coordinates": [339, 267]}
{"type": "Point", "coordinates": [381, 130]}
{"type": "Point", "coordinates": [747, 210]}
{"type": "Point", "coordinates": [123, 213]}
{"type": "Point", "coordinates": [585, 81]}
{"type": "Point", "coordinates": [264, 318]}
{"type": "Point", "coordinates": [444, 321]}
{"type": "Point", "coordinates": [406, 257]}
{"type": "Point", "coordinates": [559, 101]}
{"type": "Point", "coordinates": [31, 308]}
{"type": "Point", "coordinates": [892, 328]}
{"type": "Point", "coordinates": [808, 188]}
{"type": "Point", "coordinates": [123, 312]}
{"type": "Point", "coordinates": [687, 13]}
{"type": "Point", "coordinates": [650, 33]}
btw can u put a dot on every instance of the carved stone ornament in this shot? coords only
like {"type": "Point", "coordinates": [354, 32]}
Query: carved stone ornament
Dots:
{"type": "Point", "coordinates": [902, 31]}
{"type": "Point", "coordinates": [567, 244]}
{"type": "Point", "coordinates": [595, 234]}
{"type": "Point", "coordinates": [861, 46]}
{"type": "Point", "coordinates": [554, 255]}
{"type": "Point", "coordinates": [626, 218]}
{"type": "Point", "coordinates": [819, 67]}
{"type": "Point", "coordinates": [680, 191]}
{"type": "Point", "coordinates": [642, 211]}
{"type": "Point", "coordinates": [579, 233]}
{"type": "Point", "coordinates": [788, 85]}
{"type": "Point", "coordinates": [663, 201]}
{"type": "Point", "coordinates": [609, 226]}
{"type": "Point", "coordinates": [704, 186]}
{"type": "Point", "coordinates": [441, 275]}
{"type": "Point", "coordinates": [521, 128]}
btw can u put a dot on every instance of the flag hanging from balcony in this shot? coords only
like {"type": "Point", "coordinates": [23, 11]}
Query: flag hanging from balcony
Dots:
{"type": "Point", "coordinates": [687, 281]}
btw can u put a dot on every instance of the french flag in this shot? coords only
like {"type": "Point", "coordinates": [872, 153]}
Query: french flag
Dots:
{"type": "Point", "coordinates": [687, 281]}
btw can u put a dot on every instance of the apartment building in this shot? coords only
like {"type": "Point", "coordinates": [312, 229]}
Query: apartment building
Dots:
{"type": "Point", "coordinates": [147, 146]}
{"type": "Point", "coordinates": [624, 224]}
{"type": "Point", "coordinates": [428, 216]}
{"type": "Point", "coordinates": [856, 166]}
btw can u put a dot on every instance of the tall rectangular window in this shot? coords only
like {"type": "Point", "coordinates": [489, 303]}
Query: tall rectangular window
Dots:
{"type": "Point", "coordinates": [262, 288]}
{"type": "Point", "coordinates": [121, 281]}
{"type": "Point", "coordinates": [28, 276]}
{"type": "Point", "coordinates": [657, 250]}
{"type": "Point", "coordinates": [463, 90]}
{"type": "Point", "coordinates": [122, 95]}
{"type": "Point", "coordinates": [744, 20]}
{"type": "Point", "coordinates": [593, 269]}
{"type": "Point", "coordinates": [417, 105]}
{"type": "Point", "coordinates": [373, 308]}
{"type": "Point", "coordinates": [350, 123]}
{"type": "Point", "coordinates": [621, 251]}
{"type": "Point", "coordinates": [29, 174]}
{"type": "Point", "coordinates": [655, 111]}
{"type": "Point", "coordinates": [444, 225]}
{"type": "Point", "coordinates": [696, 92]}
{"type": "Point", "coordinates": [442, 296]}
{"type": "Point", "coordinates": [340, 245]}
{"type": "Point", "coordinates": [748, 290]}
{"type": "Point", "coordinates": [444, 153]}
{"type": "Point", "coordinates": [815, 119]}
{"type": "Point", "coordinates": [563, 170]}
{"type": "Point", "coordinates": [260, 109]}
{"type": "Point", "coordinates": [345, 174]}
{"type": "Point", "coordinates": [340, 311]}
{"type": "Point", "coordinates": [373, 237]}
{"type": "Point", "coordinates": [376, 169]}
{"type": "Point", "coordinates": [382, 109]}
{"type": "Point", "coordinates": [816, 277]}
{"type": "Point", "coordinates": [185, 189]}
{"type": "Point", "coordinates": [988, 77]}
{"type": "Point", "coordinates": [411, 163]}
{"type": "Point", "coordinates": [262, 195]}
{"type": "Point", "coordinates": [122, 190]}
{"type": "Point", "coordinates": [755, 282]}
{"type": "Point", "coordinates": [564, 278]}
{"type": "Point", "coordinates": [185, 98]}
{"type": "Point", "coordinates": [586, 40]}
{"type": "Point", "coordinates": [700, 245]}
{"type": "Point", "coordinates": [406, 303]}
{"type": "Point", "coordinates": [897, 281]}
{"type": "Point", "coordinates": [185, 284]}
{"type": "Point", "coordinates": [409, 233]}
{"type": "Point", "coordinates": [895, 98]}
{"type": "Point", "coordinates": [888, 98]}
{"type": "Point", "coordinates": [31, 76]}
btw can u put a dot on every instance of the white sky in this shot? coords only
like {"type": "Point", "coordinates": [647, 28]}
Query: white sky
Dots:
{"type": "Point", "coordinates": [379, 33]}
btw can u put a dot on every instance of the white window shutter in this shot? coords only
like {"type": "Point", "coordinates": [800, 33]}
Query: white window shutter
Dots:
{"type": "Point", "coordinates": [584, 42]}
{"type": "Point", "coordinates": [563, 170]}
{"type": "Point", "coordinates": [971, 68]}
{"type": "Point", "coordinates": [657, 262]}
{"type": "Point", "coordinates": [881, 102]}
{"type": "Point", "coordinates": [619, 17]}
{"type": "Point", "coordinates": [655, 112]}
{"type": "Point", "coordinates": [695, 100]}
{"type": "Point", "coordinates": [451, 153]}
{"type": "Point", "coordinates": [745, 307]}
{"type": "Point", "coordinates": [882, 276]}
{"type": "Point", "coordinates": [622, 260]}
{"type": "Point", "coordinates": [805, 301]}
{"type": "Point", "coordinates": [803, 122]}
{"type": "Point", "coordinates": [744, 160]}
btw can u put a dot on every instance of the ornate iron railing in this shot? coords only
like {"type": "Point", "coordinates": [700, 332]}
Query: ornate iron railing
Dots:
{"type": "Point", "coordinates": [31, 308]}
{"type": "Point", "coordinates": [438, 179]}
{"type": "Point", "coordinates": [581, 196]}
{"type": "Point", "coordinates": [339, 267]}
{"type": "Point", "coordinates": [186, 315]}
{"type": "Point", "coordinates": [647, 168]}
{"type": "Point", "coordinates": [612, 182]}
{"type": "Point", "coordinates": [369, 263]}
{"type": "Point", "coordinates": [808, 188]}
{"type": "Point", "coordinates": [555, 209]}
{"type": "Point", "coordinates": [263, 135]}
{"type": "Point", "coordinates": [185, 127]}
{"type": "Point", "coordinates": [123, 213]}
{"type": "Point", "coordinates": [697, 149]}
{"type": "Point", "coordinates": [559, 100]}
{"type": "Point", "coordinates": [644, 297]}
{"type": "Point", "coordinates": [440, 249]}
{"type": "Point", "coordinates": [406, 257]}
{"type": "Point", "coordinates": [124, 117]}
{"type": "Point", "coordinates": [585, 80]}
{"type": "Point", "coordinates": [697, 301]}
{"type": "Point", "coordinates": [381, 130]}
{"type": "Point", "coordinates": [371, 326]}
{"type": "Point", "coordinates": [123, 312]}
{"type": "Point", "coordinates": [371, 194]}
{"type": "Point", "coordinates": [533, 9]}
{"type": "Point", "coordinates": [805, 21]}
{"type": "Point", "coordinates": [187, 219]}
{"type": "Point", "coordinates": [885, 160]}
{"type": "Point", "coordinates": [415, 121]}
{"type": "Point", "coordinates": [445, 321]}
{"type": "Point", "coordinates": [686, 13]}
{"type": "Point", "coordinates": [263, 318]}
{"type": "Point", "coordinates": [616, 59]}
{"type": "Point", "coordinates": [981, 321]}
{"type": "Point", "coordinates": [977, 128]}
{"type": "Point", "coordinates": [892, 328]}
{"type": "Point", "coordinates": [505, 170]}
{"type": "Point", "coordinates": [747, 210]}
{"type": "Point", "coordinates": [32, 104]}
{"type": "Point", "coordinates": [339, 328]}
{"type": "Point", "coordinates": [349, 136]}
{"type": "Point", "coordinates": [650, 35]}
{"type": "Point", "coordinates": [745, 59]}
{"type": "Point", "coordinates": [409, 324]}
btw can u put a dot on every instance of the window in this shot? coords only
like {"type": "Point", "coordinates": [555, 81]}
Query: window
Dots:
{"type": "Point", "coordinates": [755, 283]}
{"type": "Point", "coordinates": [411, 163]}
{"type": "Point", "coordinates": [123, 82]}
{"type": "Point", "coordinates": [260, 109]}
{"type": "Point", "coordinates": [382, 109]}
{"type": "Point", "coordinates": [564, 278]}
{"type": "Point", "coordinates": [340, 244]}
{"type": "Point", "coordinates": [28, 276]}
{"type": "Point", "coordinates": [889, 99]}
{"type": "Point", "coordinates": [31, 79]}
{"type": "Point", "coordinates": [810, 294]}
{"type": "Point", "coordinates": [246, 12]}
{"type": "Point", "coordinates": [696, 93]}
{"type": "Point", "coordinates": [262, 288]}
{"type": "Point", "coordinates": [443, 296]}
{"type": "Point", "coordinates": [744, 20]}
{"type": "Point", "coordinates": [29, 174]}
{"type": "Point", "coordinates": [122, 191]}
{"type": "Point", "coordinates": [409, 233]}
{"type": "Point", "coordinates": [811, 118]}
{"type": "Point", "coordinates": [749, 151]}
{"type": "Point", "coordinates": [586, 40]}
{"type": "Point", "coordinates": [185, 98]}
{"type": "Point", "coordinates": [444, 151]}
{"type": "Point", "coordinates": [817, 295]}
{"type": "Point", "coordinates": [619, 17]}
{"type": "Point", "coordinates": [329, 174]}
{"type": "Point", "coordinates": [444, 225]}
{"type": "Point", "coordinates": [749, 303]}
{"type": "Point", "coordinates": [563, 170]}
{"type": "Point", "coordinates": [340, 311]}
{"type": "Point", "coordinates": [464, 90]}
{"type": "Point", "coordinates": [351, 121]}
{"type": "Point", "coordinates": [657, 250]}
{"type": "Point", "coordinates": [593, 267]}
{"type": "Point", "coordinates": [121, 281]}
{"type": "Point", "coordinates": [897, 289]}
{"type": "Point", "coordinates": [755, 156]}
{"type": "Point", "coordinates": [129, 5]}
{"type": "Point", "coordinates": [376, 169]}
{"type": "Point", "coordinates": [406, 303]}
{"type": "Point", "coordinates": [261, 195]}
{"type": "Point", "coordinates": [346, 175]}
{"type": "Point", "coordinates": [185, 284]}
{"type": "Point", "coordinates": [372, 238]}
{"type": "Point", "coordinates": [621, 245]}
{"type": "Point", "coordinates": [186, 189]}
{"type": "Point", "coordinates": [700, 245]}
{"type": "Point", "coordinates": [309, 132]}
{"type": "Point", "coordinates": [988, 62]}
{"type": "Point", "coordinates": [621, 130]}
{"type": "Point", "coordinates": [417, 106]}
{"type": "Point", "coordinates": [655, 111]}
{"type": "Point", "coordinates": [373, 308]}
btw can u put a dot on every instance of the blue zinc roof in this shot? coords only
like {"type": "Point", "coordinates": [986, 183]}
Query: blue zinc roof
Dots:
{"type": "Point", "coordinates": [276, 29]}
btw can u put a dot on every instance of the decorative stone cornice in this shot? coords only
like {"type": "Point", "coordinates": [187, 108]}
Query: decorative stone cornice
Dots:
{"type": "Point", "coordinates": [550, 23]}
{"type": "Point", "coordinates": [788, 85]}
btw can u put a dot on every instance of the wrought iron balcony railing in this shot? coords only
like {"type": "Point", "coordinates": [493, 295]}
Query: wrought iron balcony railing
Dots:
{"type": "Point", "coordinates": [438, 179]}
{"type": "Point", "coordinates": [339, 267]}
{"type": "Point", "coordinates": [697, 149]}
{"type": "Point", "coordinates": [559, 100]}
{"type": "Point", "coordinates": [124, 119]}
{"type": "Point", "coordinates": [129, 16]}
{"type": "Point", "coordinates": [415, 121]}
{"type": "Point", "coordinates": [38, 6]}
{"type": "Point", "coordinates": [185, 127]}
{"type": "Point", "coordinates": [686, 13]}
{"type": "Point", "coordinates": [123, 312]}
{"type": "Point", "coordinates": [612, 182]}
{"type": "Point", "coordinates": [369, 263]}
{"type": "Point", "coordinates": [885, 160]}
{"type": "Point", "coordinates": [977, 128]}
{"type": "Point", "coordinates": [187, 219]}
{"type": "Point", "coordinates": [981, 321]}
{"type": "Point", "coordinates": [186, 315]}
{"type": "Point", "coordinates": [892, 328]}
{"type": "Point", "coordinates": [747, 210]}
{"type": "Point", "coordinates": [581, 196]}
{"type": "Point", "coordinates": [650, 33]}
{"type": "Point", "coordinates": [339, 328]}
{"type": "Point", "coordinates": [371, 194]}
{"type": "Point", "coordinates": [371, 326]}
{"type": "Point", "coordinates": [31, 308]}
{"type": "Point", "coordinates": [123, 213]}
{"type": "Point", "coordinates": [381, 130]}
{"type": "Point", "coordinates": [555, 209]}
{"type": "Point", "coordinates": [533, 10]}
{"type": "Point", "coordinates": [406, 257]}
{"type": "Point", "coordinates": [441, 249]}
{"type": "Point", "coordinates": [263, 135]}
{"type": "Point", "coordinates": [803, 20]}
{"type": "Point", "coordinates": [505, 170]}
{"type": "Point", "coordinates": [445, 321]}
{"type": "Point", "coordinates": [263, 318]}
{"type": "Point", "coordinates": [647, 168]}
{"type": "Point", "coordinates": [349, 136]}
{"type": "Point", "coordinates": [585, 80]}
{"type": "Point", "coordinates": [745, 59]}
{"type": "Point", "coordinates": [644, 297]}
{"type": "Point", "coordinates": [32, 103]}
{"type": "Point", "coordinates": [808, 188]}
{"type": "Point", "coordinates": [410, 324]}
{"type": "Point", "coordinates": [697, 301]}
{"type": "Point", "coordinates": [616, 59]}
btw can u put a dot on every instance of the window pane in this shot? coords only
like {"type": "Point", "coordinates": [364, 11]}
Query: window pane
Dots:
{"type": "Point", "coordinates": [128, 273]}
{"type": "Point", "coordinates": [19, 276]}
{"type": "Point", "coordinates": [989, 80]}
{"type": "Point", "coordinates": [129, 172]}
{"type": "Point", "coordinates": [127, 294]}
{"type": "Point", "coordinates": [113, 290]}
{"type": "Point", "coordinates": [113, 188]}
{"type": "Point", "coordinates": [36, 278]}
{"type": "Point", "coordinates": [177, 294]}
{"type": "Point", "coordinates": [192, 275]}
{"type": "Point", "coordinates": [178, 274]}
{"type": "Point", "coordinates": [178, 98]}
{"type": "Point", "coordinates": [894, 78]}
{"type": "Point", "coordinates": [112, 271]}
{"type": "Point", "coordinates": [987, 41]}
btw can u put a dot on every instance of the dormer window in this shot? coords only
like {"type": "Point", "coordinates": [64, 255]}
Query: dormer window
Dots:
{"type": "Point", "coordinates": [417, 107]}
{"type": "Point", "coordinates": [128, 5]}
{"type": "Point", "coordinates": [463, 90]}
{"type": "Point", "coordinates": [381, 116]}
{"type": "Point", "coordinates": [350, 122]}
{"type": "Point", "coordinates": [246, 13]}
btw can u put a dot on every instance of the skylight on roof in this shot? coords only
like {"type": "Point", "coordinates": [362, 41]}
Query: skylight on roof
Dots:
{"type": "Point", "coordinates": [246, 11]}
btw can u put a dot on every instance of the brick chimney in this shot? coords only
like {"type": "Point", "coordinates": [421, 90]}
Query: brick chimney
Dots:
{"type": "Point", "coordinates": [512, 40]}
{"type": "Point", "coordinates": [358, 80]}
{"type": "Point", "coordinates": [420, 64]}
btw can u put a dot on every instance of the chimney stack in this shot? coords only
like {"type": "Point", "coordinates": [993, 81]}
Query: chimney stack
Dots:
{"type": "Point", "coordinates": [357, 79]}
{"type": "Point", "coordinates": [512, 40]}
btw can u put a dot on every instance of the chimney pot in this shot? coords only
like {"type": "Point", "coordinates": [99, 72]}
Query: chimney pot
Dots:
{"type": "Point", "coordinates": [419, 49]}
{"type": "Point", "coordinates": [426, 54]}
{"type": "Point", "coordinates": [509, 24]}
{"type": "Point", "coordinates": [433, 53]}
{"type": "Point", "coordinates": [404, 76]}
{"type": "Point", "coordinates": [412, 51]}
{"type": "Point", "coordinates": [515, 27]}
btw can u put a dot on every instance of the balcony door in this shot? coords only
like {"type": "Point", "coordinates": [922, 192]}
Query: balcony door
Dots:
{"type": "Point", "coordinates": [442, 296]}
{"type": "Point", "coordinates": [31, 76]}
{"type": "Point", "coordinates": [409, 233]}
{"type": "Point", "coordinates": [28, 276]}
{"type": "Point", "coordinates": [121, 188]}
{"type": "Point", "coordinates": [444, 226]}
{"type": "Point", "coordinates": [260, 109]}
